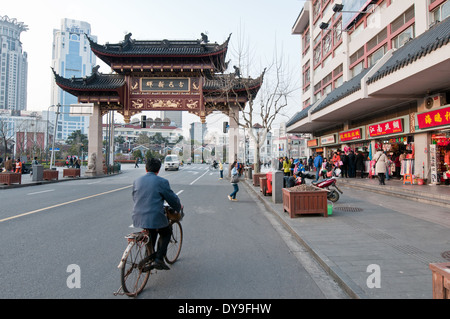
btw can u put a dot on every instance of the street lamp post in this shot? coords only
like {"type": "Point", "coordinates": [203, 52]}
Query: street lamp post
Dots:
{"type": "Point", "coordinates": [54, 136]}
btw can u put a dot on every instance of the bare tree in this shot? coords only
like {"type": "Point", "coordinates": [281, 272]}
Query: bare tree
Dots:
{"type": "Point", "coordinates": [263, 108]}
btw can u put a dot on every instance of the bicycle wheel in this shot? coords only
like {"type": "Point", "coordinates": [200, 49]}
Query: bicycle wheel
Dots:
{"type": "Point", "coordinates": [176, 240]}
{"type": "Point", "coordinates": [131, 275]}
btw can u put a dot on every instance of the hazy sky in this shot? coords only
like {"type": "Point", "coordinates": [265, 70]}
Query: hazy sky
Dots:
{"type": "Point", "coordinates": [262, 22]}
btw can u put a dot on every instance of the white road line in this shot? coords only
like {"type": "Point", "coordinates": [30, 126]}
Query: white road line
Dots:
{"type": "Point", "coordinates": [199, 177]}
{"type": "Point", "coordinates": [94, 182]}
{"type": "Point", "coordinates": [50, 190]}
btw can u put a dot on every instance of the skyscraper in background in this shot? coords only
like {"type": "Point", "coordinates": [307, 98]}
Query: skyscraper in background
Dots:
{"type": "Point", "coordinates": [71, 57]}
{"type": "Point", "coordinates": [13, 66]}
{"type": "Point", "coordinates": [176, 117]}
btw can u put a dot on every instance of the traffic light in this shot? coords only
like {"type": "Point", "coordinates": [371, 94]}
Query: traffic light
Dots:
{"type": "Point", "coordinates": [143, 121]}
{"type": "Point", "coordinates": [225, 127]}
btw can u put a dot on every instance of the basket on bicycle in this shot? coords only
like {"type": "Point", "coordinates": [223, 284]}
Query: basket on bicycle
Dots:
{"type": "Point", "coordinates": [172, 214]}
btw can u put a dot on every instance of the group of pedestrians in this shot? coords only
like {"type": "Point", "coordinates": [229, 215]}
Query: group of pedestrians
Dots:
{"type": "Point", "coordinates": [73, 161]}
{"type": "Point", "coordinates": [11, 166]}
{"type": "Point", "coordinates": [341, 164]}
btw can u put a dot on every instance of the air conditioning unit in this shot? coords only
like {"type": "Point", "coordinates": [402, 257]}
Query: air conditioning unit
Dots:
{"type": "Point", "coordinates": [435, 101]}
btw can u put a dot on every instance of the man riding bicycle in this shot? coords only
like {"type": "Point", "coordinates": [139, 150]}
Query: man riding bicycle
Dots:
{"type": "Point", "coordinates": [149, 193]}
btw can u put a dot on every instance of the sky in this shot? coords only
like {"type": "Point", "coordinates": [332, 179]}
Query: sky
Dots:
{"type": "Point", "coordinates": [265, 25]}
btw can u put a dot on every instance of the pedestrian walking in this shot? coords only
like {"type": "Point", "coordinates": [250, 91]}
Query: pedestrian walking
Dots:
{"type": "Point", "coordinates": [380, 165]}
{"type": "Point", "coordinates": [318, 165]}
{"type": "Point", "coordinates": [234, 182]}
{"type": "Point", "coordinates": [360, 163]}
{"type": "Point", "coordinates": [221, 169]}
{"type": "Point", "coordinates": [136, 162]}
{"type": "Point", "coordinates": [19, 166]}
{"type": "Point", "coordinates": [351, 164]}
{"type": "Point", "coordinates": [310, 165]}
{"type": "Point", "coordinates": [286, 166]}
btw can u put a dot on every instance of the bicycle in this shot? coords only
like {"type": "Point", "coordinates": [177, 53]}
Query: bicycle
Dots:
{"type": "Point", "coordinates": [135, 264]}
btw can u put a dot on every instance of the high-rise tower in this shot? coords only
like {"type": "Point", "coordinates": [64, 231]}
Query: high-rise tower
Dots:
{"type": "Point", "coordinates": [13, 65]}
{"type": "Point", "coordinates": [72, 57]}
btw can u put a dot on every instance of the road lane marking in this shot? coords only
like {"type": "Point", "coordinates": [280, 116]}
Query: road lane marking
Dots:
{"type": "Point", "coordinates": [50, 190]}
{"type": "Point", "coordinates": [199, 177]}
{"type": "Point", "coordinates": [63, 204]}
{"type": "Point", "coordinates": [94, 183]}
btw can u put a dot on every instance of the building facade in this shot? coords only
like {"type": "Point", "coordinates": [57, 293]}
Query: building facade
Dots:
{"type": "Point", "coordinates": [13, 65]}
{"type": "Point", "coordinates": [71, 57]}
{"type": "Point", "coordinates": [27, 135]}
{"type": "Point", "coordinates": [375, 75]}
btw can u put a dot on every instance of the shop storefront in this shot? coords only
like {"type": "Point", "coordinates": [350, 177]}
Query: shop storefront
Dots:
{"type": "Point", "coordinates": [436, 124]}
{"type": "Point", "coordinates": [394, 138]}
{"type": "Point", "coordinates": [330, 145]}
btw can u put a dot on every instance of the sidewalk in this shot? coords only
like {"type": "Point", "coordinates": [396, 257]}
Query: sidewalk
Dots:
{"type": "Point", "coordinates": [401, 235]}
{"type": "Point", "coordinates": [27, 179]}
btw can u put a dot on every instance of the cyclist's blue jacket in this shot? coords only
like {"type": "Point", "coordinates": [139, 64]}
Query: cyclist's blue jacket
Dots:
{"type": "Point", "coordinates": [149, 193]}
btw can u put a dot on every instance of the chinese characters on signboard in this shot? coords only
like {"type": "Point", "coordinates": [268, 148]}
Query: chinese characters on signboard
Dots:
{"type": "Point", "coordinates": [165, 84]}
{"type": "Point", "coordinates": [386, 128]}
{"type": "Point", "coordinates": [434, 118]}
{"type": "Point", "coordinates": [433, 164]}
{"type": "Point", "coordinates": [350, 135]}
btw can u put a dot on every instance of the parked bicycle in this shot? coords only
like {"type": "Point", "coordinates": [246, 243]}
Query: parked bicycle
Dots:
{"type": "Point", "coordinates": [136, 262]}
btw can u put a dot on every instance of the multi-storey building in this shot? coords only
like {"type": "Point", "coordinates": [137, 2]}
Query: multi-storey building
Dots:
{"type": "Point", "coordinates": [29, 134]}
{"type": "Point", "coordinates": [71, 57]}
{"type": "Point", "coordinates": [376, 75]}
{"type": "Point", "coordinates": [13, 65]}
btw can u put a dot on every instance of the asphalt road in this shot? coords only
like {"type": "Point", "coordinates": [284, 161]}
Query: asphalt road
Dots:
{"type": "Point", "coordinates": [65, 240]}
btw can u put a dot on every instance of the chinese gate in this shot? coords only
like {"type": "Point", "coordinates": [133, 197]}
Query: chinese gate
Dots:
{"type": "Point", "coordinates": [160, 76]}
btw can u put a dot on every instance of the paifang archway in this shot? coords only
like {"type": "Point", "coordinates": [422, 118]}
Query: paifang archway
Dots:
{"type": "Point", "coordinates": [162, 75]}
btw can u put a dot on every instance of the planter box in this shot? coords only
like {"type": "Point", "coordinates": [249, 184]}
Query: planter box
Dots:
{"type": "Point", "coordinates": [263, 185]}
{"type": "Point", "coordinates": [256, 177]}
{"type": "Point", "coordinates": [441, 280]}
{"type": "Point", "coordinates": [71, 172]}
{"type": "Point", "coordinates": [50, 174]}
{"type": "Point", "coordinates": [305, 202]}
{"type": "Point", "coordinates": [9, 178]}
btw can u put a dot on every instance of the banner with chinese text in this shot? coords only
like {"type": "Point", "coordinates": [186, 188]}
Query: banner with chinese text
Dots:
{"type": "Point", "coordinates": [434, 118]}
{"type": "Point", "coordinates": [386, 128]}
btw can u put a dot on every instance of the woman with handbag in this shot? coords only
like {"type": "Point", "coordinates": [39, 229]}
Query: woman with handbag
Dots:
{"type": "Point", "coordinates": [234, 182]}
{"type": "Point", "coordinates": [380, 165]}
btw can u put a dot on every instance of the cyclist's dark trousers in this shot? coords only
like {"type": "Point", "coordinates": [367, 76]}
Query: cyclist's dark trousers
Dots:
{"type": "Point", "coordinates": [163, 241]}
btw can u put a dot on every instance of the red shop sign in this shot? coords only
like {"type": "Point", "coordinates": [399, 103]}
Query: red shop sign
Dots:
{"type": "Point", "coordinates": [434, 118]}
{"type": "Point", "coordinates": [386, 128]}
{"type": "Point", "coordinates": [312, 143]}
{"type": "Point", "coordinates": [350, 135]}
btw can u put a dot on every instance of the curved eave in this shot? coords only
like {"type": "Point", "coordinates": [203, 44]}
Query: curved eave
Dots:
{"type": "Point", "coordinates": [100, 50]}
{"type": "Point", "coordinates": [75, 87]}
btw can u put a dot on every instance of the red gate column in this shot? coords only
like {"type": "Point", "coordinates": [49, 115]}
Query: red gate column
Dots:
{"type": "Point", "coordinates": [95, 161]}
